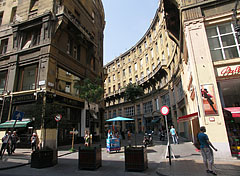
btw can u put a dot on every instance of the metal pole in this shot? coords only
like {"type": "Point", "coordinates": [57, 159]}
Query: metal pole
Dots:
{"type": "Point", "coordinates": [57, 137]}
{"type": "Point", "coordinates": [168, 144]}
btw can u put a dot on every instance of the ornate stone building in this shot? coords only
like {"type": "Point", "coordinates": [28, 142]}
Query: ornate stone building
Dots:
{"type": "Point", "coordinates": [47, 46]}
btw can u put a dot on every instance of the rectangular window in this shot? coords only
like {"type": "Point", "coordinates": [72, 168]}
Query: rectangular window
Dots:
{"type": "Point", "coordinates": [156, 47]}
{"type": "Point", "coordinates": [33, 6]}
{"type": "Point", "coordinates": [146, 56]}
{"type": "Point", "coordinates": [109, 79]}
{"type": "Point", "coordinates": [31, 37]}
{"type": "Point", "coordinates": [145, 44]}
{"type": "Point", "coordinates": [109, 90]}
{"type": "Point", "coordinates": [140, 49]}
{"type": "Point", "coordinates": [141, 63]}
{"type": "Point", "coordinates": [136, 78]}
{"type": "Point", "coordinates": [124, 73]}
{"type": "Point", "coordinates": [165, 100]}
{"type": "Point", "coordinates": [135, 66]}
{"type": "Point", "coordinates": [150, 38]}
{"type": "Point", "coordinates": [138, 109]}
{"type": "Point", "coordinates": [223, 42]}
{"type": "Point", "coordinates": [120, 112]}
{"type": "Point", "coordinates": [13, 14]}
{"type": "Point", "coordinates": [153, 67]}
{"type": "Point", "coordinates": [130, 80]}
{"type": "Point", "coordinates": [129, 111]}
{"type": "Point", "coordinates": [130, 70]}
{"type": "Point", "coordinates": [152, 53]}
{"type": "Point", "coordinates": [69, 46]}
{"type": "Point", "coordinates": [3, 46]}
{"type": "Point", "coordinates": [148, 71]}
{"type": "Point", "coordinates": [119, 86]}
{"type": "Point", "coordinates": [114, 88]}
{"type": "Point", "coordinates": [163, 56]}
{"type": "Point", "coordinates": [157, 104]}
{"type": "Point", "coordinates": [147, 107]}
{"type": "Point", "coordinates": [27, 78]}
{"type": "Point", "coordinates": [142, 75]}
{"type": "Point", "coordinates": [3, 77]}
{"type": "Point", "coordinates": [168, 51]}
{"type": "Point", "coordinates": [1, 17]}
{"type": "Point", "coordinates": [113, 77]}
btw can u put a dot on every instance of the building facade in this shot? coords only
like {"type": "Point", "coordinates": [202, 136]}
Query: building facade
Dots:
{"type": "Point", "coordinates": [154, 63]}
{"type": "Point", "coordinates": [210, 47]}
{"type": "Point", "coordinates": [47, 48]}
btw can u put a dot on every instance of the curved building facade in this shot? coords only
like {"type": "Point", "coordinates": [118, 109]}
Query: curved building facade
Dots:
{"type": "Point", "coordinates": [154, 63]}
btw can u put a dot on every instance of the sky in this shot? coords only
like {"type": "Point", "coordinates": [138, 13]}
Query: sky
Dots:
{"type": "Point", "coordinates": [126, 23]}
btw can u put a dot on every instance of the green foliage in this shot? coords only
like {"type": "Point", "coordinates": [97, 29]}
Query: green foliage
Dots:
{"type": "Point", "coordinates": [132, 92]}
{"type": "Point", "coordinates": [90, 91]}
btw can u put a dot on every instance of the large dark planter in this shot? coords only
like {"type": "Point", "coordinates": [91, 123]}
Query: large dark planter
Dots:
{"type": "Point", "coordinates": [135, 158]}
{"type": "Point", "coordinates": [89, 158]}
{"type": "Point", "coordinates": [42, 159]}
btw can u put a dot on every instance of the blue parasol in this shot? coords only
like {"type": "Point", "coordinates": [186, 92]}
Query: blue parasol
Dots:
{"type": "Point", "coordinates": [119, 119]}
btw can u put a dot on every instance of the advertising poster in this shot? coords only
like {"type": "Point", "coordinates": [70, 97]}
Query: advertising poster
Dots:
{"type": "Point", "coordinates": [209, 99]}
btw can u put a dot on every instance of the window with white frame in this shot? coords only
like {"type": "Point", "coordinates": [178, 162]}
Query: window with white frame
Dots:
{"type": "Point", "coordinates": [135, 66]}
{"type": "Point", "coordinates": [157, 104]}
{"type": "Point", "coordinates": [129, 111]}
{"type": "Point", "coordinates": [223, 42]}
{"type": "Point", "coordinates": [152, 53]}
{"type": "Point", "coordinates": [165, 100]}
{"type": "Point", "coordinates": [147, 107]}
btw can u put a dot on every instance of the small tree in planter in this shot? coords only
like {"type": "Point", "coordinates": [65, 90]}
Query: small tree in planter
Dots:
{"type": "Point", "coordinates": [91, 92]}
{"type": "Point", "coordinates": [135, 157]}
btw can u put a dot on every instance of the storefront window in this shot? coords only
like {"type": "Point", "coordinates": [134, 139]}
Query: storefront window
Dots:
{"type": "Point", "coordinates": [223, 43]}
{"type": "Point", "coordinates": [27, 78]}
{"type": "Point", "coordinates": [3, 76]}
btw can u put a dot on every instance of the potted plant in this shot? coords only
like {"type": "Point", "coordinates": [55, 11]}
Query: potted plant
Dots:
{"type": "Point", "coordinates": [135, 157]}
{"type": "Point", "coordinates": [89, 157]}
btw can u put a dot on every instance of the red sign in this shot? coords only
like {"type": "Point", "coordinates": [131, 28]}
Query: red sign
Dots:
{"type": "Point", "coordinates": [229, 70]}
{"type": "Point", "coordinates": [164, 110]}
{"type": "Point", "coordinates": [58, 117]}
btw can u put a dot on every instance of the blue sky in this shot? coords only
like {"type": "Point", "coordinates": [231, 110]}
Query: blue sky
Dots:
{"type": "Point", "coordinates": [126, 23]}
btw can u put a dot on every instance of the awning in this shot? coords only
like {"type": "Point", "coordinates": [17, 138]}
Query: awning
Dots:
{"type": "Point", "coordinates": [155, 120]}
{"type": "Point", "coordinates": [19, 124]}
{"type": "Point", "coordinates": [235, 111]}
{"type": "Point", "coordinates": [187, 117]}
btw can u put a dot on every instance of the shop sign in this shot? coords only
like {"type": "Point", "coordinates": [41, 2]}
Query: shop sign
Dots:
{"type": "Point", "coordinates": [23, 98]}
{"type": "Point", "coordinates": [228, 71]}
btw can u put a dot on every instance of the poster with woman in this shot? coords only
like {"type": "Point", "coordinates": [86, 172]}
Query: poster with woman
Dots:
{"type": "Point", "coordinates": [209, 99]}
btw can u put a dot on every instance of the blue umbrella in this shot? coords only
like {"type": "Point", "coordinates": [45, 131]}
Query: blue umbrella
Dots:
{"type": "Point", "coordinates": [119, 119]}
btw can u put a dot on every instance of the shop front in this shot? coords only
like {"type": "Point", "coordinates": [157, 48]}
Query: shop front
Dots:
{"type": "Point", "coordinates": [228, 78]}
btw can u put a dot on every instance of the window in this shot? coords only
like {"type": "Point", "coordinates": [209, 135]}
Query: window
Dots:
{"type": "Point", "coordinates": [130, 80]}
{"type": "Point", "coordinates": [156, 47]}
{"type": "Point", "coordinates": [136, 78]}
{"type": "Point", "coordinates": [140, 49]}
{"type": "Point", "coordinates": [158, 60]}
{"type": "Point", "coordinates": [114, 88]}
{"type": "Point", "coordinates": [13, 14]}
{"type": "Point", "coordinates": [33, 6]}
{"type": "Point", "coordinates": [135, 66]}
{"type": "Point", "coordinates": [124, 73]}
{"type": "Point", "coordinates": [165, 100]}
{"type": "Point", "coordinates": [1, 17]}
{"type": "Point", "coordinates": [3, 77]}
{"type": "Point", "coordinates": [223, 42]}
{"type": "Point", "coordinates": [109, 114]}
{"type": "Point", "coordinates": [113, 77]}
{"type": "Point", "coordinates": [113, 68]}
{"type": "Point", "coordinates": [141, 63]}
{"type": "Point", "coordinates": [148, 71]}
{"type": "Point", "coordinates": [142, 75]}
{"type": "Point", "coordinates": [163, 56]}
{"type": "Point", "coordinates": [75, 51]}
{"type": "Point", "coordinates": [152, 53]}
{"type": "Point", "coordinates": [129, 59]}
{"type": "Point", "coordinates": [68, 87]}
{"type": "Point", "coordinates": [118, 75]}
{"type": "Point", "coordinates": [138, 109]}
{"type": "Point", "coordinates": [109, 79]}
{"type": "Point", "coordinates": [147, 107]}
{"type": "Point", "coordinates": [3, 46]}
{"type": "Point", "coordinates": [124, 83]}
{"type": "Point", "coordinates": [120, 112]}
{"type": "Point", "coordinates": [153, 66]}
{"type": "Point", "coordinates": [157, 104]}
{"type": "Point", "coordinates": [150, 38]}
{"type": "Point", "coordinates": [145, 44]}
{"type": "Point", "coordinates": [146, 56]}
{"type": "Point", "coordinates": [31, 37]}
{"type": "Point", "coordinates": [119, 86]}
{"type": "Point", "coordinates": [161, 40]}
{"type": "Point", "coordinates": [109, 90]}
{"type": "Point", "coordinates": [130, 69]}
{"type": "Point", "coordinates": [129, 111]}
{"type": "Point", "coordinates": [27, 78]}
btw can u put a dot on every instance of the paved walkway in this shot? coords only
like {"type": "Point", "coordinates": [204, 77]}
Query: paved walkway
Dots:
{"type": "Point", "coordinates": [188, 162]}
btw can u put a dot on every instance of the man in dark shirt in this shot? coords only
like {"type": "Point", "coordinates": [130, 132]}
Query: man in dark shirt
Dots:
{"type": "Point", "coordinates": [206, 151]}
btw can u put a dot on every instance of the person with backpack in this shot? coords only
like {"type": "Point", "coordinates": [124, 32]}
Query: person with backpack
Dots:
{"type": "Point", "coordinates": [206, 150]}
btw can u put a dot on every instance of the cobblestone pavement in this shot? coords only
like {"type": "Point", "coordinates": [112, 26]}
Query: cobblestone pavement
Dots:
{"type": "Point", "coordinates": [187, 162]}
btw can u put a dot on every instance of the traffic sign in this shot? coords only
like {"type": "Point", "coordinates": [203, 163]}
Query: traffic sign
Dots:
{"type": "Point", "coordinates": [74, 132]}
{"type": "Point", "coordinates": [17, 115]}
{"type": "Point", "coordinates": [58, 117]}
{"type": "Point", "coordinates": [164, 110]}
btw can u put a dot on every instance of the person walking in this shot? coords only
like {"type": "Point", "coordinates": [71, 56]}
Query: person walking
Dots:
{"type": "Point", "coordinates": [129, 138]}
{"type": "Point", "coordinates": [6, 141]}
{"type": "Point", "coordinates": [174, 135]}
{"type": "Point", "coordinates": [206, 151]}
{"type": "Point", "coordinates": [87, 139]}
{"type": "Point", "coordinates": [34, 142]}
{"type": "Point", "coordinates": [14, 140]}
